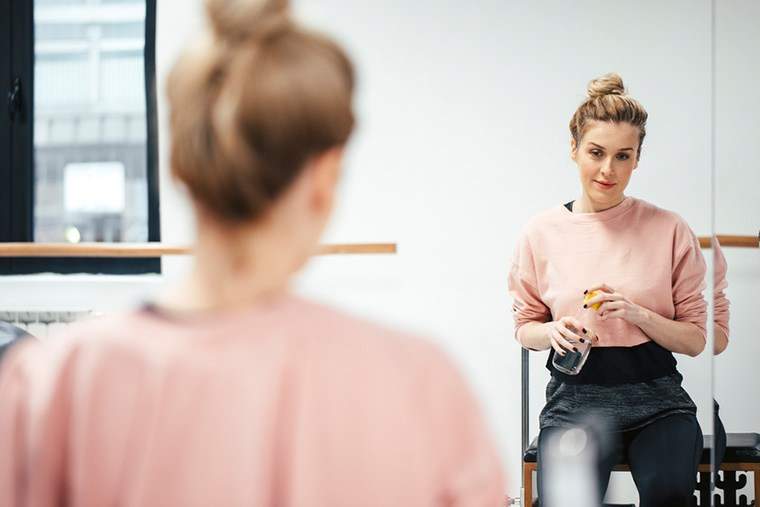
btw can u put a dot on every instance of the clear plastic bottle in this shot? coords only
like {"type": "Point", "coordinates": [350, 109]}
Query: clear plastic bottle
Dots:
{"type": "Point", "coordinates": [570, 469]}
{"type": "Point", "coordinates": [573, 360]}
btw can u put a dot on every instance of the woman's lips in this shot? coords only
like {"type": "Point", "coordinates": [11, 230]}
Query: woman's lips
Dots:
{"type": "Point", "coordinates": [604, 185]}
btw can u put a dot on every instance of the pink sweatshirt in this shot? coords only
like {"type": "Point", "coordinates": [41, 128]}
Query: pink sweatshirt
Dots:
{"type": "Point", "coordinates": [284, 404]}
{"type": "Point", "coordinates": [646, 253]}
{"type": "Point", "coordinates": [721, 311]}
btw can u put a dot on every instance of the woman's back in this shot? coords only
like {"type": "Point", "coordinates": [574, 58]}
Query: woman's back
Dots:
{"type": "Point", "coordinates": [287, 403]}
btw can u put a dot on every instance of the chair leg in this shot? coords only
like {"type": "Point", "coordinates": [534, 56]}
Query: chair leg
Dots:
{"type": "Point", "coordinates": [528, 483]}
{"type": "Point", "coordinates": [756, 474]}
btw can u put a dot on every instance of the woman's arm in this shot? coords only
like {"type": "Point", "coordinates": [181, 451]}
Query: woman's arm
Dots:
{"type": "Point", "coordinates": [721, 303]}
{"type": "Point", "coordinates": [534, 335]}
{"type": "Point", "coordinates": [721, 340]}
{"type": "Point", "coordinates": [557, 334]}
{"type": "Point", "coordinates": [681, 337]}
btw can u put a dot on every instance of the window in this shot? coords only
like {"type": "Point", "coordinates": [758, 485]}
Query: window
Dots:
{"type": "Point", "coordinates": [78, 138]}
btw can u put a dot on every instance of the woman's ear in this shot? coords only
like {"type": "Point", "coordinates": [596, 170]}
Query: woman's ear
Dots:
{"type": "Point", "coordinates": [326, 170]}
{"type": "Point", "coordinates": [573, 148]}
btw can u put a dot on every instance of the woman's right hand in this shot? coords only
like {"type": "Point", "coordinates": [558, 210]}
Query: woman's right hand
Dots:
{"type": "Point", "coordinates": [565, 331]}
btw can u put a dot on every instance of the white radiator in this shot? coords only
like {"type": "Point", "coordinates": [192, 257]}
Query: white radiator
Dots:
{"type": "Point", "coordinates": [43, 323]}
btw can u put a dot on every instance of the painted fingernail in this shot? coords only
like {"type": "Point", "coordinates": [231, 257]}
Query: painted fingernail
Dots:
{"type": "Point", "coordinates": [576, 350]}
{"type": "Point", "coordinates": [584, 330]}
{"type": "Point", "coordinates": [585, 306]}
{"type": "Point", "coordinates": [583, 341]}
{"type": "Point", "coordinates": [585, 291]}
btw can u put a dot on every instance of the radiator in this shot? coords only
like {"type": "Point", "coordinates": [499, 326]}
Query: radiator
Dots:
{"type": "Point", "coordinates": [43, 323]}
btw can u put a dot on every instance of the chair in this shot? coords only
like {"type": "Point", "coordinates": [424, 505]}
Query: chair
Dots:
{"type": "Point", "coordinates": [742, 456]}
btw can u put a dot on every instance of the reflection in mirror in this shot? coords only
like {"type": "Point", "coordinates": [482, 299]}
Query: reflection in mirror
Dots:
{"type": "Point", "coordinates": [589, 286]}
{"type": "Point", "coordinates": [615, 249]}
{"type": "Point", "coordinates": [737, 268]}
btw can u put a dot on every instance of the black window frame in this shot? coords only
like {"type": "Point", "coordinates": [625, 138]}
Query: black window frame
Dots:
{"type": "Point", "coordinates": [17, 150]}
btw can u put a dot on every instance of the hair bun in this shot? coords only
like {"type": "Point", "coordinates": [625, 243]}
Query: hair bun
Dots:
{"type": "Point", "coordinates": [608, 84]}
{"type": "Point", "coordinates": [239, 20]}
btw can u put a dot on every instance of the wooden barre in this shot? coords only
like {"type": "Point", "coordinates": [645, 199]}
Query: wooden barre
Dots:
{"type": "Point", "coordinates": [158, 249]}
{"type": "Point", "coordinates": [728, 240]}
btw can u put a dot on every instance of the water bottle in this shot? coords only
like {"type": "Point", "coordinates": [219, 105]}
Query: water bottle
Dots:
{"type": "Point", "coordinates": [573, 360]}
{"type": "Point", "coordinates": [570, 469]}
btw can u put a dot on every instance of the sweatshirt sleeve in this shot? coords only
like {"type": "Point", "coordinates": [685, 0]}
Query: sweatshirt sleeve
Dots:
{"type": "Point", "coordinates": [33, 426]}
{"type": "Point", "coordinates": [527, 305]}
{"type": "Point", "coordinates": [688, 280]}
{"type": "Point", "coordinates": [721, 303]}
{"type": "Point", "coordinates": [471, 469]}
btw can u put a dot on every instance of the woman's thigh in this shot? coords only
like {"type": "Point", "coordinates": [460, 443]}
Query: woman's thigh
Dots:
{"type": "Point", "coordinates": [664, 457]}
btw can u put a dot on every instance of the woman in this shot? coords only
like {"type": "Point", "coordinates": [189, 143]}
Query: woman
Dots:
{"type": "Point", "coordinates": [229, 390]}
{"type": "Point", "coordinates": [648, 273]}
{"type": "Point", "coordinates": [721, 314]}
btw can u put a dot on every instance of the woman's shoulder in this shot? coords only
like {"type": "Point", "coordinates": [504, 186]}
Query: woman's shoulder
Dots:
{"type": "Point", "coordinates": [132, 345]}
{"type": "Point", "coordinates": [38, 366]}
{"type": "Point", "coordinates": [547, 218]}
{"type": "Point", "coordinates": [662, 223]}
{"type": "Point", "coordinates": [662, 218]}
{"type": "Point", "coordinates": [348, 331]}
{"type": "Point", "coordinates": [649, 210]}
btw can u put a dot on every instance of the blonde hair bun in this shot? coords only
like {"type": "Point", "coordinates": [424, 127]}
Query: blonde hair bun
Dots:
{"type": "Point", "coordinates": [608, 84]}
{"type": "Point", "coordinates": [608, 102]}
{"type": "Point", "coordinates": [240, 20]}
{"type": "Point", "coordinates": [251, 104]}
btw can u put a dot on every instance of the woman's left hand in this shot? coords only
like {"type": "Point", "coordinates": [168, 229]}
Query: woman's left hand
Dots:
{"type": "Point", "coordinates": [615, 305]}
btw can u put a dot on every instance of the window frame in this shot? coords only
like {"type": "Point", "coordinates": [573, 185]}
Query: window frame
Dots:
{"type": "Point", "coordinates": [17, 150]}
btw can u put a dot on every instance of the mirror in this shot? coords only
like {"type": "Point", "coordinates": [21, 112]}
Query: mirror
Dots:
{"type": "Point", "coordinates": [463, 137]}
{"type": "Point", "coordinates": [565, 47]}
{"type": "Point", "coordinates": [737, 269]}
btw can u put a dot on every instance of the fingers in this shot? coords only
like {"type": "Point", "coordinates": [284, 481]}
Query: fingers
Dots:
{"type": "Point", "coordinates": [557, 348]}
{"type": "Point", "coordinates": [569, 327]}
{"type": "Point", "coordinates": [588, 336]}
{"type": "Point", "coordinates": [561, 338]}
{"type": "Point", "coordinates": [593, 337]}
{"type": "Point", "coordinates": [615, 314]}
{"type": "Point", "coordinates": [560, 344]}
{"type": "Point", "coordinates": [602, 297]}
{"type": "Point", "coordinates": [582, 334]}
{"type": "Point", "coordinates": [601, 287]}
{"type": "Point", "coordinates": [611, 305]}
{"type": "Point", "coordinates": [572, 322]}
{"type": "Point", "coordinates": [568, 339]}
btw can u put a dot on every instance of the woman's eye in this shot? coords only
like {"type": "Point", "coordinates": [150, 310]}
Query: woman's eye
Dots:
{"type": "Point", "coordinates": [623, 156]}
{"type": "Point", "coordinates": [596, 153]}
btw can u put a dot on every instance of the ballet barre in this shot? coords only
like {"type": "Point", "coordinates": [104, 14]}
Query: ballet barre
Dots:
{"type": "Point", "coordinates": [726, 240]}
{"type": "Point", "coordinates": [134, 250]}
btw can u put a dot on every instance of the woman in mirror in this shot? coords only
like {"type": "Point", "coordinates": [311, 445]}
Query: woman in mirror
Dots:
{"type": "Point", "coordinates": [626, 276]}
{"type": "Point", "coordinates": [721, 315]}
{"type": "Point", "coordinates": [230, 390]}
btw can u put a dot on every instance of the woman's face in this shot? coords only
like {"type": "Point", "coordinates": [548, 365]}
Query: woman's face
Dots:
{"type": "Point", "coordinates": [606, 157]}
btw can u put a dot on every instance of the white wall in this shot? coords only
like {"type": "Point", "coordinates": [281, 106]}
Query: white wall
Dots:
{"type": "Point", "coordinates": [737, 200]}
{"type": "Point", "coordinates": [464, 136]}
{"type": "Point", "coordinates": [463, 112]}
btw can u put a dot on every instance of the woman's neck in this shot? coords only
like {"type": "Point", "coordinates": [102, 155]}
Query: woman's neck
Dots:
{"type": "Point", "coordinates": [587, 205]}
{"type": "Point", "coordinates": [236, 267]}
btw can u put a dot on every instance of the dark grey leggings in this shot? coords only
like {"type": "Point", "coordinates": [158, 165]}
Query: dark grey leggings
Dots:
{"type": "Point", "coordinates": [663, 457]}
